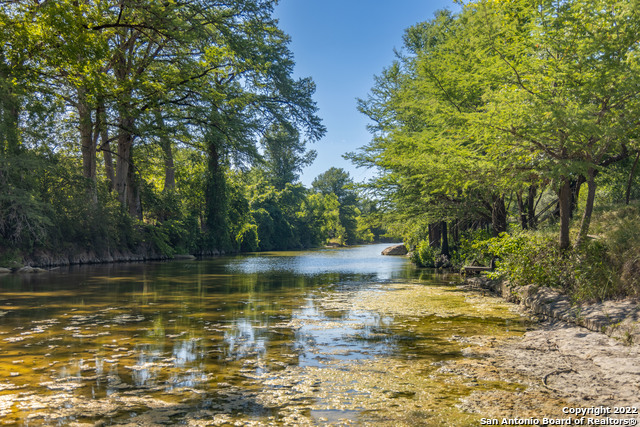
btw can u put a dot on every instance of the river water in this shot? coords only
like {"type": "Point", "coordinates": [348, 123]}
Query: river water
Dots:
{"type": "Point", "coordinates": [321, 337]}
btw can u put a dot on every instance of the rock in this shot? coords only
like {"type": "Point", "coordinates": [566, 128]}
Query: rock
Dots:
{"type": "Point", "coordinates": [29, 269]}
{"type": "Point", "coordinates": [4, 270]}
{"type": "Point", "coordinates": [395, 250]}
{"type": "Point", "coordinates": [183, 256]}
{"type": "Point", "coordinates": [442, 261]}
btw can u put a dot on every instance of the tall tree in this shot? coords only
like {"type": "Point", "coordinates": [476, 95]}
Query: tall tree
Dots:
{"type": "Point", "coordinates": [285, 155]}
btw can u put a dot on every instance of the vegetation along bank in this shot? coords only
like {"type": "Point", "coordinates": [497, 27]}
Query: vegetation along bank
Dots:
{"type": "Point", "coordinates": [503, 131]}
{"type": "Point", "coordinates": [132, 131]}
{"type": "Point", "coordinates": [508, 131]}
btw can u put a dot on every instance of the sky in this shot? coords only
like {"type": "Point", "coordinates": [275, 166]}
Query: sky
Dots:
{"type": "Point", "coordinates": [341, 45]}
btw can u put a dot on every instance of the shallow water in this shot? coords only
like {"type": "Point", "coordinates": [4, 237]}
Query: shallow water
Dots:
{"type": "Point", "coordinates": [331, 336]}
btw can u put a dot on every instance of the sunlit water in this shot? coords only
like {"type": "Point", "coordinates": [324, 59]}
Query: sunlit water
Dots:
{"type": "Point", "coordinates": [315, 337]}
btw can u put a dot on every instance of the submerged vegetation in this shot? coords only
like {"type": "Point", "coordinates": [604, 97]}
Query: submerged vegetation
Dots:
{"type": "Point", "coordinates": [290, 338]}
{"type": "Point", "coordinates": [159, 128]}
{"type": "Point", "coordinates": [497, 130]}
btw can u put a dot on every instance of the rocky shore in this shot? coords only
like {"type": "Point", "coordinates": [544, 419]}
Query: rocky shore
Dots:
{"type": "Point", "coordinates": [42, 261]}
{"type": "Point", "coordinates": [579, 356]}
{"type": "Point", "coordinates": [618, 319]}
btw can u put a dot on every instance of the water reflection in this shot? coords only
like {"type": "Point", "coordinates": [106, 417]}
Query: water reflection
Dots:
{"type": "Point", "coordinates": [217, 333]}
{"type": "Point", "coordinates": [341, 261]}
{"type": "Point", "coordinates": [243, 340]}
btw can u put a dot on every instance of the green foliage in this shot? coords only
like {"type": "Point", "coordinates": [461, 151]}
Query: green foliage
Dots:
{"type": "Point", "coordinates": [336, 181]}
{"type": "Point", "coordinates": [595, 276]}
{"type": "Point", "coordinates": [247, 238]}
{"type": "Point", "coordinates": [275, 213]}
{"type": "Point", "coordinates": [191, 93]}
{"type": "Point", "coordinates": [158, 238]}
{"type": "Point", "coordinates": [24, 216]}
{"type": "Point", "coordinates": [499, 97]}
{"type": "Point", "coordinates": [424, 255]}
{"type": "Point", "coordinates": [617, 228]}
{"type": "Point", "coordinates": [530, 259]}
{"type": "Point", "coordinates": [285, 156]}
{"type": "Point", "coordinates": [536, 259]}
{"type": "Point", "coordinates": [10, 258]}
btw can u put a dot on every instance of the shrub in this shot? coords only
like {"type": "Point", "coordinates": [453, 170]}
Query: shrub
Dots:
{"type": "Point", "coordinates": [595, 276]}
{"type": "Point", "coordinates": [472, 249]}
{"type": "Point", "coordinates": [530, 258]}
{"type": "Point", "coordinates": [618, 229]}
{"type": "Point", "coordinates": [535, 258]}
{"type": "Point", "coordinates": [424, 255]}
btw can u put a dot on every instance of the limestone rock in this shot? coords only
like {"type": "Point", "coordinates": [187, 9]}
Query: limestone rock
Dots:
{"type": "Point", "coordinates": [184, 256]}
{"type": "Point", "coordinates": [29, 269]}
{"type": "Point", "coordinates": [395, 250]}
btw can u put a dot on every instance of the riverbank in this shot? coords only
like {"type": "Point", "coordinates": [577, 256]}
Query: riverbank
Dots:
{"type": "Point", "coordinates": [619, 319]}
{"type": "Point", "coordinates": [41, 261]}
{"type": "Point", "coordinates": [583, 355]}
{"type": "Point", "coordinates": [560, 364]}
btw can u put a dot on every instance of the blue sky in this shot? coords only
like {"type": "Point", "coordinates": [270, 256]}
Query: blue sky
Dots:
{"type": "Point", "coordinates": [342, 44]}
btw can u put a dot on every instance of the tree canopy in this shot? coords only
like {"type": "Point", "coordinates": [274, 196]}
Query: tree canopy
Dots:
{"type": "Point", "coordinates": [504, 99]}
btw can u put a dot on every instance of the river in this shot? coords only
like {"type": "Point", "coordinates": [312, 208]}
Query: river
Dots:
{"type": "Point", "coordinates": [320, 337]}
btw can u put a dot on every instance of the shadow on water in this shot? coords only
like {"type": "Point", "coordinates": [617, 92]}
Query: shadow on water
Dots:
{"type": "Point", "coordinates": [268, 337]}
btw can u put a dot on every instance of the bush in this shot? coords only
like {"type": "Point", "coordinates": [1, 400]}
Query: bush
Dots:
{"type": "Point", "coordinates": [424, 255]}
{"type": "Point", "coordinates": [158, 238]}
{"type": "Point", "coordinates": [472, 249]}
{"type": "Point", "coordinates": [247, 238]}
{"type": "Point", "coordinates": [10, 258]}
{"type": "Point", "coordinates": [530, 258]}
{"type": "Point", "coordinates": [595, 276]}
{"type": "Point", "coordinates": [618, 229]}
{"type": "Point", "coordinates": [534, 258]}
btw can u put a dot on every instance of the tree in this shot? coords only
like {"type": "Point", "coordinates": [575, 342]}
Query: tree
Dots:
{"type": "Point", "coordinates": [430, 170]}
{"type": "Point", "coordinates": [336, 181]}
{"type": "Point", "coordinates": [569, 90]}
{"type": "Point", "coordinates": [285, 156]}
{"type": "Point", "coordinates": [502, 98]}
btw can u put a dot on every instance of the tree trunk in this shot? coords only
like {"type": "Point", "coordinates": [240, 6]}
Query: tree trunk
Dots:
{"type": "Point", "coordinates": [105, 146]}
{"type": "Point", "coordinates": [9, 110]}
{"type": "Point", "coordinates": [126, 185]}
{"type": "Point", "coordinates": [564, 202]}
{"type": "Point", "coordinates": [216, 209]}
{"type": "Point", "coordinates": [522, 209]}
{"type": "Point", "coordinates": [531, 207]}
{"type": "Point", "coordinates": [133, 196]}
{"type": "Point", "coordinates": [576, 185]}
{"type": "Point", "coordinates": [444, 248]}
{"type": "Point", "coordinates": [630, 180]}
{"type": "Point", "coordinates": [498, 216]}
{"type": "Point", "coordinates": [88, 143]}
{"type": "Point", "coordinates": [165, 144]}
{"type": "Point", "coordinates": [588, 209]}
{"type": "Point", "coordinates": [434, 235]}
{"type": "Point", "coordinates": [455, 232]}
{"type": "Point", "coordinates": [125, 176]}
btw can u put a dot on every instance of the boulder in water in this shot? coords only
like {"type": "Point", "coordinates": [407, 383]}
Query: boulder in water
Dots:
{"type": "Point", "coordinates": [395, 250]}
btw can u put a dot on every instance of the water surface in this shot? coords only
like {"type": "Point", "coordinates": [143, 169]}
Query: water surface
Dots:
{"type": "Point", "coordinates": [331, 336]}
